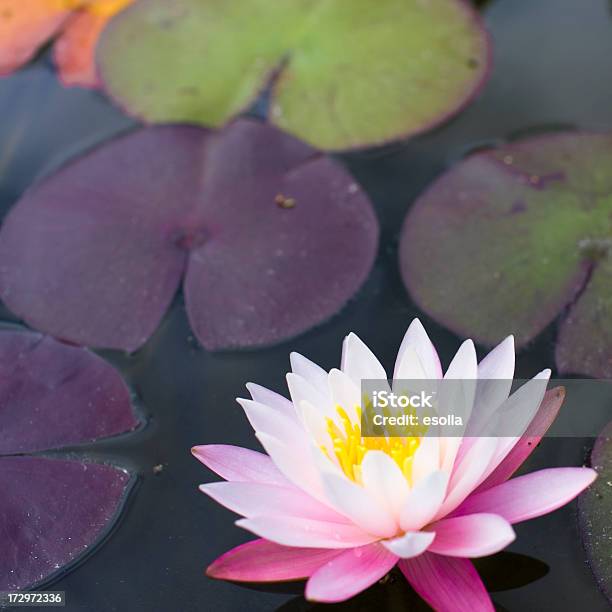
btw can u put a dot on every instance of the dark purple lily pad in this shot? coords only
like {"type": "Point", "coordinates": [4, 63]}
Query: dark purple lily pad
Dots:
{"type": "Point", "coordinates": [595, 507]}
{"type": "Point", "coordinates": [509, 238]}
{"type": "Point", "coordinates": [51, 512]}
{"type": "Point", "coordinates": [63, 395]}
{"type": "Point", "coordinates": [54, 510]}
{"type": "Point", "coordinates": [273, 238]}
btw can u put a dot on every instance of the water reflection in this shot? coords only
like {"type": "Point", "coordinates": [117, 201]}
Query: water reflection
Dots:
{"type": "Point", "coordinates": [500, 572]}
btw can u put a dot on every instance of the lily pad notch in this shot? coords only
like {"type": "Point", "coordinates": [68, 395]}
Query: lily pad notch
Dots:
{"type": "Point", "coordinates": [513, 238]}
{"type": "Point", "coordinates": [344, 74]}
{"type": "Point", "coordinates": [270, 236]}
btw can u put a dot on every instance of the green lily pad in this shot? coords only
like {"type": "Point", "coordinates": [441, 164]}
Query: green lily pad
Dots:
{"type": "Point", "coordinates": [344, 73]}
{"type": "Point", "coordinates": [595, 506]}
{"type": "Point", "coordinates": [511, 238]}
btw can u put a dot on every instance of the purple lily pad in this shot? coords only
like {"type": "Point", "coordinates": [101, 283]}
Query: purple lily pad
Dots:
{"type": "Point", "coordinates": [510, 238]}
{"type": "Point", "coordinates": [63, 395]}
{"type": "Point", "coordinates": [595, 506]}
{"type": "Point", "coordinates": [53, 510]}
{"type": "Point", "coordinates": [272, 237]}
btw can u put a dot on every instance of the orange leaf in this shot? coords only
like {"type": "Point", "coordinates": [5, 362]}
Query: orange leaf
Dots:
{"type": "Point", "coordinates": [25, 25]}
{"type": "Point", "coordinates": [75, 49]}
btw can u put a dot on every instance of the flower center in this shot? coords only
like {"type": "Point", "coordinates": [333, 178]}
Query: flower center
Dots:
{"type": "Point", "coordinates": [350, 447]}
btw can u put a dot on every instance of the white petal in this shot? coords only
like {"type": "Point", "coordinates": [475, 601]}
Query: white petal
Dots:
{"type": "Point", "coordinates": [424, 501]}
{"type": "Point", "coordinates": [301, 390]}
{"type": "Point", "coordinates": [270, 398]}
{"type": "Point", "coordinates": [416, 338]}
{"type": "Point", "coordinates": [514, 416]}
{"type": "Point", "coordinates": [426, 458]}
{"type": "Point", "coordinates": [468, 475]}
{"type": "Point", "coordinates": [382, 478]}
{"type": "Point", "coordinates": [344, 393]}
{"type": "Point", "coordinates": [410, 544]}
{"type": "Point", "coordinates": [499, 362]}
{"type": "Point", "coordinates": [358, 505]}
{"type": "Point", "coordinates": [464, 364]}
{"type": "Point", "coordinates": [410, 367]}
{"type": "Point", "coordinates": [359, 362]}
{"type": "Point", "coordinates": [266, 420]}
{"type": "Point", "coordinates": [309, 371]}
{"type": "Point", "coordinates": [457, 398]}
{"type": "Point", "coordinates": [315, 425]}
{"type": "Point", "coordinates": [495, 375]}
{"type": "Point", "coordinates": [293, 463]}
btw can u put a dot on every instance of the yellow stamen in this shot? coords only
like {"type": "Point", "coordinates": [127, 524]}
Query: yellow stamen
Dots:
{"type": "Point", "coordinates": [350, 447]}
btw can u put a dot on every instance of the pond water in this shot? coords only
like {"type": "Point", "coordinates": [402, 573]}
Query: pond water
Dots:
{"type": "Point", "coordinates": [553, 66]}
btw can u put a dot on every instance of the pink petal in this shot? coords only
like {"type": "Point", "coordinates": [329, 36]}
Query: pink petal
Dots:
{"type": "Point", "coordinates": [410, 544]}
{"type": "Point", "coordinates": [447, 584]}
{"type": "Point", "coordinates": [263, 561]}
{"type": "Point", "coordinates": [239, 464]}
{"type": "Point", "coordinates": [349, 573]}
{"type": "Point", "coordinates": [257, 499]}
{"type": "Point", "coordinates": [547, 413]}
{"type": "Point", "coordinates": [306, 532]}
{"type": "Point", "coordinates": [416, 337]}
{"type": "Point", "coordinates": [531, 495]}
{"type": "Point", "coordinates": [474, 535]}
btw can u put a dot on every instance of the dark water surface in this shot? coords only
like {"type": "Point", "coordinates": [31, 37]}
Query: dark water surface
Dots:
{"type": "Point", "coordinates": [553, 66]}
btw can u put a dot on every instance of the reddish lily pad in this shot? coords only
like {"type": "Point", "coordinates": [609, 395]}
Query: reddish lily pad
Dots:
{"type": "Point", "coordinates": [509, 238]}
{"type": "Point", "coordinates": [272, 238]}
{"type": "Point", "coordinates": [595, 506]}
{"type": "Point", "coordinates": [345, 74]}
{"type": "Point", "coordinates": [54, 510]}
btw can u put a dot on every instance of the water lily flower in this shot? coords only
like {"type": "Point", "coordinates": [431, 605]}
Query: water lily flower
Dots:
{"type": "Point", "coordinates": [341, 510]}
{"type": "Point", "coordinates": [26, 25]}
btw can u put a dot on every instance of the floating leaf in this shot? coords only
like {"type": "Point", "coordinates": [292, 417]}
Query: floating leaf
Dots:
{"type": "Point", "coordinates": [53, 510]}
{"type": "Point", "coordinates": [272, 237]}
{"type": "Point", "coordinates": [62, 395]}
{"type": "Point", "coordinates": [345, 73]}
{"type": "Point", "coordinates": [509, 238]}
{"type": "Point", "coordinates": [595, 506]}
{"type": "Point", "coordinates": [26, 25]}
